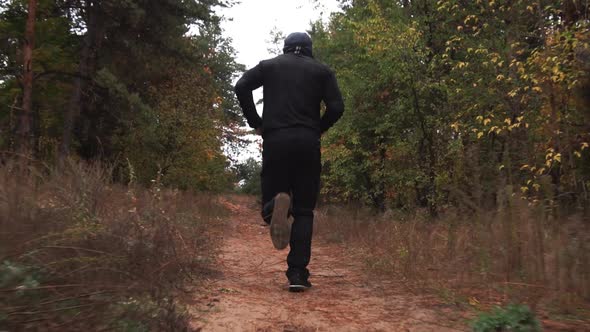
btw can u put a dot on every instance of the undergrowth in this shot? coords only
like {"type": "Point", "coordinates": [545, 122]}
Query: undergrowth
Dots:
{"type": "Point", "coordinates": [78, 252]}
{"type": "Point", "coordinates": [518, 253]}
{"type": "Point", "coordinates": [512, 318]}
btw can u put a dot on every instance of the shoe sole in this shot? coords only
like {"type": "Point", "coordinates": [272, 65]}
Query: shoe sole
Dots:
{"type": "Point", "coordinates": [297, 288]}
{"type": "Point", "coordinates": [280, 232]}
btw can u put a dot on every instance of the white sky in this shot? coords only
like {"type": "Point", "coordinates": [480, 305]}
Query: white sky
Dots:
{"type": "Point", "coordinates": [249, 24]}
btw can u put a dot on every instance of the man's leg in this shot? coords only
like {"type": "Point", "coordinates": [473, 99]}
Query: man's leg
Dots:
{"type": "Point", "coordinates": [300, 242]}
{"type": "Point", "coordinates": [274, 176]}
{"type": "Point", "coordinates": [275, 188]}
{"type": "Point", "coordinates": [305, 186]}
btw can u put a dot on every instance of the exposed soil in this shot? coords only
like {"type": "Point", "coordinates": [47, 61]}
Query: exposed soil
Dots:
{"type": "Point", "coordinates": [250, 293]}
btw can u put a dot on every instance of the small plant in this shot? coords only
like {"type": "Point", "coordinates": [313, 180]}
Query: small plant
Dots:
{"type": "Point", "coordinates": [514, 317]}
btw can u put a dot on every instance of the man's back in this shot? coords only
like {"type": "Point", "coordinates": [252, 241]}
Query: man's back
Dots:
{"type": "Point", "coordinates": [294, 86]}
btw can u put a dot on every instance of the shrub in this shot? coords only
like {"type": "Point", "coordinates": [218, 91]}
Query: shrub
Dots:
{"type": "Point", "coordinates": [516, 318]}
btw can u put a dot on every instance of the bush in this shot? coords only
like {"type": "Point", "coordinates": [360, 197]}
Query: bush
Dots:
{"type": "Point", "coordinates": [517, 318]}
{"type": "Point", "coordinates": [248, 173]}
{"type": "Point", "coordinates": [79, 252]}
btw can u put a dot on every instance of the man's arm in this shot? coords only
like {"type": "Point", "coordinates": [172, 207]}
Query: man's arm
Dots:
{"type": "Point", "coordinates": [334, 103]}
{"type": "Point", "coordinates": [250, 81]}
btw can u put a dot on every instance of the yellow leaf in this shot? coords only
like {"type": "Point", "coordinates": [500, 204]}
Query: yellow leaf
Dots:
{"type": "Point", "coordinates": [508, 121]}
{"type": "Point", "coordinates": [557, 157]}
{"type": "Point", "coordinates": [501, 167]}
{"type": "Point", "coordinates": [500, 77]}
{"type": "Point", "coordinates": [524, 189]}
{"type": "Point", "coordinates": [584, 146]}
{"type": "Point", "coordinates": [548, 163]}
{"type": "Point", "coordinates": [479, 135]}
{"type": "Point", "coordinates": [578, 154]}
{"type": "Point", "coordinates": [541, 170]}
{"type": "Point", "coordinates": [523, 167]}
{"type": "Point", "coordinates": [479, 118]}
{"type": "Point", "coordinates": [536, 186]}
{"type": "Point", "coordinates": [486, 121]}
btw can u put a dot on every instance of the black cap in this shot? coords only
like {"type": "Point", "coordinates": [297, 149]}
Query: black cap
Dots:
{"type": "Point", "coordinates": [298, 43]}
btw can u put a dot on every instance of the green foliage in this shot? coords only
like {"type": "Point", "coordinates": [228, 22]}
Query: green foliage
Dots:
{"type": "Point", "coordinates": [115, 83]}
{"type": "Point", "coordinates": [449, 102]}
{"type": "Point", "coordinates": [19, 276]}
{"type": "Point", "coordinates": [516, 318]}
{"type": "Point", "coordinates": [248, 174]}
{"type": "Point", "coordinates": [179, 139]}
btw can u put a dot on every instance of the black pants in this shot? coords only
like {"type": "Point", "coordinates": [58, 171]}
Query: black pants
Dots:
{"type": "Point", "coordinates": [291, 163]}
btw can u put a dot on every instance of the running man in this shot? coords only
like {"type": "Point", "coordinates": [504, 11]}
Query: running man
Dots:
{"type": "Point", "coordinates": [294, 84]}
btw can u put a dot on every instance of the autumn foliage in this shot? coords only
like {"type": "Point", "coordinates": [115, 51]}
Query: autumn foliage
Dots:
{"type": "Point", "coordinates": [450, 102]}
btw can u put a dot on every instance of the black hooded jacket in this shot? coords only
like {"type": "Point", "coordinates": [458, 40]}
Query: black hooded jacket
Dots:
{"type": "Point", "coordinates": [294, 86]}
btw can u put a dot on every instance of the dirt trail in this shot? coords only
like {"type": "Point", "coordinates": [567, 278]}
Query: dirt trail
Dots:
{"type": "Point", "coordinates": [251, 292]}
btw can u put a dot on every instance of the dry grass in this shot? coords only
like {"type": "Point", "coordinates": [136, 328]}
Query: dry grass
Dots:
{"type": "Point", "coordinates": [518, 253]}
{"type": "Point", "coordinates": [78, 252]}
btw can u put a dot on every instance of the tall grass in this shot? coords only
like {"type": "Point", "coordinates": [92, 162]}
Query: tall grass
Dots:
{"type": "Point", "coordinates": [78, 252]}
{"type": "Point", "coordinates": [522, 251]}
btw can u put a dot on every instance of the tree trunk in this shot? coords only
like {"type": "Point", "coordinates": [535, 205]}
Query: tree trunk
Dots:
{"type": "Point", "coordinates": [24, 121]}
{"type": "Point", "coordinates": [89, 49]}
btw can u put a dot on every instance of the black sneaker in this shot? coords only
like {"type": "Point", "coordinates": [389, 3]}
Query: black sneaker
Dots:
{"type": "Point", "coordinates": [298, 284]}
{"type": "Point", "coordinates": [267, 211]}
{"type": "Point", "coordinates": [280, 229]}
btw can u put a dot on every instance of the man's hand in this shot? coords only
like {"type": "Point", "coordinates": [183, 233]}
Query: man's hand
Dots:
{"type": "Point", "coordinates": [259, 131]}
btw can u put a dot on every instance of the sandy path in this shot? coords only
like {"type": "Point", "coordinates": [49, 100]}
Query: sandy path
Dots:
{"type": "Point", "coordinates": [250, 293]}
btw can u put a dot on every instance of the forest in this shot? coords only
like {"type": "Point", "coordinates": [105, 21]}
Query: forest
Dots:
{"type": "Point", "coordinates": [106, 80]}
{"type": "Point", "coordinates": [466, 131]}
{"type": "Point", "coordinates": [451, 102]}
